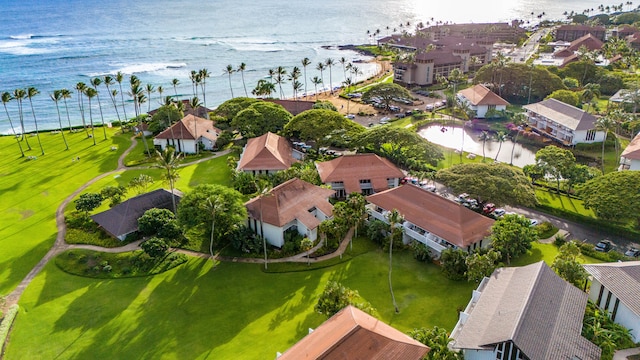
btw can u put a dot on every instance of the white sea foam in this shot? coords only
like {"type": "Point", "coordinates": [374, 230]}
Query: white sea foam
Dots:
{"type": "Point", "coordinates": [140, 68]}
{"type": "Point", "coordinates": [27, 45]}
{"type": "Point", "coordinates": [21, 37]}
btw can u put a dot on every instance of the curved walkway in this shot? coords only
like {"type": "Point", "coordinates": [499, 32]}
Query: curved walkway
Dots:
{"type": "Point", "coordinates": [60, 245]}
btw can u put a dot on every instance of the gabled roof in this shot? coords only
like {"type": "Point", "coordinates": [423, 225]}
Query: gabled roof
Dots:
{"type": "Point", "coordinates": [589, 41]}
{"type": "Point", "coordinates": [189, 127]}
{"type": "Point", "coordinates": [266, 152]}
{"type": "Point", "coordinates": [354, 335]}
{"type": "Point", "coordinates": [291, 200]}
{"type": "Point", "coordinates": [573, 27]}
{"type": "Point", "coordinates": [123, 218]}
{"type": "Point", "coordinates": [481, 95]}
{"type": "Point", "coordinates": [444, 218]}
{"type": "Point", "coordinates": [632, 151]}
{"type": "Point", "coordinates": [199, 111]}
{"type": "Point", "coordinates": [295, 107]}
{"type": "Point", "coordinates": [564, 114]}
{"type": "Point", "coordinates": [350, 169]}
{"type": "Point", "coordinates": [622, 279]}
{"type": "Point", "coordinates": [532, 307]}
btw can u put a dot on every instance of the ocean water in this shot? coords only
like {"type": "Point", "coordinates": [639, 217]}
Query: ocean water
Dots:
{"type": "Point", "coordinates": [52, 44]}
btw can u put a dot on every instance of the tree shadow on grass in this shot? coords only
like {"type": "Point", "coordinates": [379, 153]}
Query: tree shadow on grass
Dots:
{"type": "Point", "coordinates": [19, 267]}
{"type": "Point", "coordinates": [296, 302]}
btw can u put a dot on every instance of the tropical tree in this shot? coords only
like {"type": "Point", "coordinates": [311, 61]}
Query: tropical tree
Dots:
{"type": "Point", "coordinates": [512, 235]}
{"type": "Point", "coordinates": [395, 219]}
{"type": "Point", "coordinates": [325, 127]}
{"type": "Point", "coordinates": [214, 204]}
{"type": "Point", "coordinates": [321, 67]}
{"type": "Point", "coordinates": [589, 93]}
{"type": "Point", "coordinates": [141, 183]}
{"type": "Point", "coordinates": [568, 267]}
{"type": "Point", "coordinates": [518, 120]}
{"type": "Point", "coordinates": [6, 98]}
{"type": "Point", "coordinates": [481, 265]}
{"type": "Point", "coordinates": [66, 94]}
{"type": "Point", "coordinates": [203, 75]}
{"type": "Point", "coordinates": [230, 70]}
{"type": "Point", "coordinates": [336, 296]}
{"type": "Point", "coordinates": [500, 137]}
{"type": "Point", "coordinates": [195, 81]}
{"type": "Point", "coordinates": [604, 124]}
{"type": "Point", "coordinates": [155, 247]}
{"type": "Point", "coordinates": [264, 88]}
{"type": "Point", "coordinates": [150, 89]}
{"type": "Point", "coordinates": [329, 63]}
{"type": "Point", "coordinates": [316, 81]}
{"type": "Point", "coordinates": [119, 78]}
{"type": "Point", "coordinates": [241, 68]}
{"type": "Point", "coordinates": [86, 202]}
{"type": "Point", "coordinates": [195, 103]}
{"type": "Point", "coordinates": [343, 61]}
{"type": "Point", "coordinates": [294, 75]}
{"type": "Point", "coordinates": [168, 161]}
{"type": "Point", "coordinates": [264, 189]}
{"type": "Point", "coordinates": [90, 93]}
{"type": "Point", "coordinates": [108, 81]}
{"type": "Point", "coordinates": [554, 161]}
{"type": "Point", "coordinates": [437, 340]}
{"type": "Point", "coordinates": [31, 92]}
{"type": "Point", "coordinates": [613, 196]}
{"type": "Point", "coordinates": [484, 136]}
{"type": "Point", "coordinates": [95, 82]}
{"type": "Point", "coordinates": [386, 92]}
{"type": "Point", "coordinates": [280, 73]}
{"type": "Point", "coordinates": [56, 96]}
{"type": "Point", "coordinates": [305, 62]}
{"type": "Point", "coordinates": [305, 245]}
{"type": "Point", "coordinates": [19, 95]}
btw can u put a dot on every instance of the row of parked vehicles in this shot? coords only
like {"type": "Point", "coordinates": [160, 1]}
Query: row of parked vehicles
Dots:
{"type": "Point", "coordinates": [607, 245]}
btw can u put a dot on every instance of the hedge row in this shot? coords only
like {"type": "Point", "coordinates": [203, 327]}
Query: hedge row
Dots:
{"type": "Point", "coordinates": [6, 323]}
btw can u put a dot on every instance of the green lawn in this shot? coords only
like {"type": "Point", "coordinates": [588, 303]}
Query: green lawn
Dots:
{"type": "Point", "coordinates": [546, 253]}
{"type": "Point", "coordinates": [563, 202]}
{"type": "Point", "coordinates": [32, 190]}
{"type": "Point", "coordinates": [233, 311]}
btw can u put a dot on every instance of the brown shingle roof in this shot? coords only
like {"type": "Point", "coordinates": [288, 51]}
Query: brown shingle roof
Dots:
{"type": "Point", "coordinates": [188, 127]}
{"type": "Point", "coordinates": [123, 218]}
{"type": "Point", "coordinates": [481, 95]}
{"type": "Point", "coordinates": [291, 200]}
{"type": "Point", "coordinates": [632, 151]}
{"type": "Point", "coordinates": [589, 41]}
{"type": "Point", "coordinates": [531, 306]}
{"type": "Point", "coordinates": [350, 169]}
{"type": "Point", "coordinates": [564, 114]}
{"type": "Point", "coordinates": [295, 107]}
{"type": "Point", "coordinates": [622, 279]}
{"type": "Point", "coordinates": [352, 334]}
{"type": "Point", "coordinates": [444, 218]}
{"type": "Point", "coordinates": [266, 152]}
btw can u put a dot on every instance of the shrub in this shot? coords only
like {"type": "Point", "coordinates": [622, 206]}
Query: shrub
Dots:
{"type": "Point", "coordinates": [546, 230]}
{"type": "Point", "coordinates": [453, 263]}
{"type": "Point", "coordinates": [560, 240]}
{"type": "Point", "coordinates": [421, 251]}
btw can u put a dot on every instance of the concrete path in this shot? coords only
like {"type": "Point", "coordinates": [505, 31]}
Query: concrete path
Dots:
{"type": "Point", "coordinates": [623, 354]}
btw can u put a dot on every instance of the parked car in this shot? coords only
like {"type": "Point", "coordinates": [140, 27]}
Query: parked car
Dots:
{"type": "Point", "coordinates": [534, 222]}
{"type": "Point", "coordinates": [488, 208]}
{"type": "Point", "coordinates": [350, 116]}
{"type": "Point", "coordinates": [499, 212]}
{"type": "Point", "coordinates": [632, 252]}
{"type": "Point", "coordinates": [429, 107]}
{"type": "Point", "coordinates": [603, 246]}
{"type": "Point", "coordinates": [385, 120]}
{"type": "Point", "coordinates": [400, 116]}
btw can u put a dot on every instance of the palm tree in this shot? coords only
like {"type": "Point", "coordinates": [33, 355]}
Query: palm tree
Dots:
{"type": "Point", "coordinates": [195, 80]}
{"type": "Point", "coordinates": [204, 74]}
{"type": "Point", "coordinates": [90, 93]}
{"type": "Point", "coordinates": [160, 90]}
{"type": "Point", "coordinates": [214, 206]}
{"type": "Point", "coordinates": [355, 71]}
{"type": "Point", "coordinates": [329, 63]}
{"type": "Point", "coordinates": [66, 94]}
{"type": "Point", "coordinates": [19, 95]}
{"type": "Point", "coordinates": [305, 62]}
{"type": "Point", "coordinates": [175, 82]}
{"type": "Point", "coordinates": [81, 88]}
{"type": "Point", "coordinates": [518, 120]}
{"type": "Point", "coordinates": [590, 92]}
{"type": "Point", "coordinates": [500, 137]}
{"type": "Point", "coordinates": [119, 78]}
{"type": "Point", "coordinates": [321, 66]}
{"type": "Point", "coordinates": [394, 218]}
{"type": "Point", "coordinates": [316, 81]}
{"type": "Point", "coordinates": [347, 84]}
{"type": "Point", "coordinates": [108, 81]}
{"type": "Point", "coordinates": [230, 70]}
{"type": "Point", "coordinates": [293, 77]}
{"type": "Point", "coordinates": [264, 189]}
{"type": "Point", "coordinates": [150, 89]}
{"type": "Point", "coordinates": [280, 73]}
{"type": "Point", "coordinates": [195, 103]}
{"type": "Point", "coordinates": [343, 61]}
{"type": "Point", "coordinates": [6, 98]}
{"type": "Point", "coordinates": [241, 68]}
{"type": "Point", "coordinates": [31, 92]}
{"type": "Point", "coordinates": [56, 97]}
{"type": "Point", "coordinates": [264, 88]}
{"type": "Point", "coordinates": [484, 136]}
{"type": "Point", "coordinates": [95, 82]}
{"type": "Point", "coordinates": [605, 124]}
{"type": "Point", "coordinates": [167, 160]}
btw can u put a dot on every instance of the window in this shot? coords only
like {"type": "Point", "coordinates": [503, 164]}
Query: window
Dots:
{"type": "Point", "coordinates": [365, 181]}
{"type": "Point", "coordinates": [591, 135]}
{"type": "Point", "coordinates": [615, 310]}
{"type": "Point", "coordinates": [599, 302]}
{"type": "Point", "coordinates": [606, 304]}
{"type": "Point", "coordinates": [491, 107]}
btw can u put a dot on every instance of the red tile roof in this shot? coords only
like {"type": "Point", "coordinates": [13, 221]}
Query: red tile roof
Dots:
{"type": "Point", "coordinates": [352, 334]}
{"type": "Point", "coordinates": [291, 200]}
{"type": "Point", "coordinates": [188, 127]}
{"type": "Point", "coordinates": [266, 152]}
{"type": "Point", "coordinates": [481, 95]}
{"type": "Point", "coordinates": [444, 218]}
{"type": "Point", "coordinates": [350, 169]}
{"type": "Point", "coordinates": [632, 151]}
{"type": "Point", "coordinates": [589, 41]}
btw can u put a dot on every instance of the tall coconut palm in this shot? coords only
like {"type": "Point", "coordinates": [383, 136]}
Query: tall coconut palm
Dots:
{"type": "Point", "coordinates": [316, 81]}
{"type": "Point", "coordinates": [95, 82]}
{"type": "Point", "coordinates": [280, 73]}
{"type": "Point", "coordinates": [203, 75]}
{"type": "Point", "coordinates": [195, 80]}
{"type": "Point", "coordinates": [90, 93]}
{"type": "Point", "coordinates": [305, 62]}
{"type": "Point", "coordinates": [66, 94]}
{"type": "Point", "coordinates": [150, 89]}
{"type": "Point", "coordinates": [321, 67]}
{"type": "Point", "coordinates": [56, 96]}
{"type": "Point", "coordinates": [195, 103]}
{"type": "Point", "coordinates": [214, 205]}
{"type": "Point", "coordinates": [347, 85]}
{"type": "Point", "coordinates": [355, 71]}
{"type": "Point", "coordinates": [6, 98]}
{"type": "Point", "coordinates": [293, 77]}
{"type": "Point", "coordinates": [343, 61]}
{"type": "Point", "coordinates": [81, 88]}
{"type": "Point", "coordinates": [484, 136]}
{"type": "Point", "coordinates": [329, 63]}
{"type": "Point", "coordinates": [160, 90]}
{"type": "Point", "coordinates": [230, 70]}
{"type": "Point", "coordinates": [264, 88]}
{"type": "Point", "coordinates": [168, 160]}
{"type": "Point", "coordinates": [241, 68]}
{"type": "Point", "coordinates": [175, 82]}
{"type": "Point", "coordinates": [500, 138]}
{"type": "Point", "coordinates": [108, 81]}
{"type": "Point", "coordinates": [31, 92]}
{"type": "Point", "coordinates": [264, 189]}
{"type": "Point", "coordinates": [590, 92]}
{"type": "Point", "coordinates": [394, 218]}
{"type": "Point", "coordinates": [119, 78]}
{"type": "Point", "coordinates": [19, 95]}
{"type": "Point", "coordinates": [518, 120]}
{"type": "Point", "coordinates": [605, 124]}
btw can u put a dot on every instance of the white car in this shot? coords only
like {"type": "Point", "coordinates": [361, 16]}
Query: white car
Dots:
{"type": "Point", "coordinates": [350, 116]}
{"type": "Point", "coordinates": [534, 222]}
{"type": "Point", "coordinates": [499, 212]}
{"type": "Point", "coordinates": [385, 120]}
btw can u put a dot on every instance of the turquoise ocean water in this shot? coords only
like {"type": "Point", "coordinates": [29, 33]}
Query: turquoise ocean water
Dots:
{"type": "Point", "coordinates": [51, 44]}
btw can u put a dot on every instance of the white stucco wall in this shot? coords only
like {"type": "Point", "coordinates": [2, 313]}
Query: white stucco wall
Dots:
{"type": "Point", "coordinates": [624, 316]}
{"type": "Point", "coordinates": [479, 355]}
{"type": "Point", "coordinates": [580, 136]}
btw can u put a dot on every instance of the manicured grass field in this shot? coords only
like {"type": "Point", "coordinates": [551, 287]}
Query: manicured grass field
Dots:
{"type": "Point", "coordinates": [563, 202]}
{"type": "Point", "coordinates": [32, 190]}
{"type": "Point", "coordinates": [232, 311]}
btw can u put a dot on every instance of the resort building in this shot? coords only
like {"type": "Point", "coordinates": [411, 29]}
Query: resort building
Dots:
{"type": "Point", "coordinates": [199, 111]}
{"type": "Point", "coordinates": [267, 154]}
{"type": "Point", "coordinates": [499, 32]}
{"type": "Point", "coordinates": [361, 173]}
{"type": "Point", "coordinates": [524, 313]}
{"type": "Point", "coordinates": [122, 219]}
{"type": "Point", "coordinates": [563, 123]}
{"type": "Point", "coordinates": [295, 107]}
{"type": "Point", "coordinates": [188, 133]}
{"type": "Point", "coordinates": [431, 219]}
{"type": "Point", "coordinates": [615, 288]}
{"type": "Point", "coordinates": [353, 334]}
{"type": "Point", "coordinates": [482, 100]}
{"type": "Point", "coordinates": [572, 32]}
{"type": "Point", "coordinates": [295, 204]}
{"type": "Point", "coordinates": [630, 157]}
